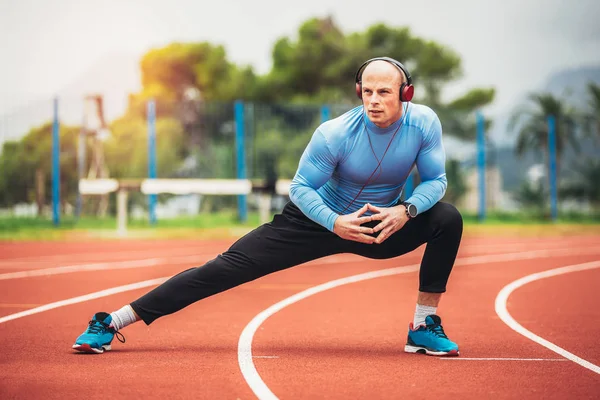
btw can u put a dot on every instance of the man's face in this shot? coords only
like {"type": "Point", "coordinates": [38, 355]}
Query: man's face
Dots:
{"type": "Point", "coordinates": [381, 93]}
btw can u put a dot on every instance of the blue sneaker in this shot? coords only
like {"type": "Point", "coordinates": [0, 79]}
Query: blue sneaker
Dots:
{"type": "Point", "coordinates": [98, 335]}
{"type": "Point", "coordinates": [430, 339]}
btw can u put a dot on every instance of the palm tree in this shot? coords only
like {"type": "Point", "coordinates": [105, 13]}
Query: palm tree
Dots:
{"type": "Point", "coordinates": [533, 133]}
{"type": "Point", "coordinates": [592, 116]}
{"type": "Point", "coordinates": [586, 185]}
{"type": "Point", "coordinates": [458, 117]}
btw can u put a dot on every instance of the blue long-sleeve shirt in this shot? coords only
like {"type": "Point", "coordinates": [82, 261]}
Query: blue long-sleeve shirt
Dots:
{"type": "Point", "coordinates": [339, 160]}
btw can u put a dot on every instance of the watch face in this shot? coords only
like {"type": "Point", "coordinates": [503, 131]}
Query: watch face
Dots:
{"type": "Point", "coordinates": [412, 210]}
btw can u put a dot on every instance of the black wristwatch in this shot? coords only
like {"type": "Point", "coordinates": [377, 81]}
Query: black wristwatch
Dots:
{"type": "Point", "coordinates": [411, 210]}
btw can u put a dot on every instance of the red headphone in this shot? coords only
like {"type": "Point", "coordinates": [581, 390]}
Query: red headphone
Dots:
{"type": "Point", "coordinates": [407, 90]}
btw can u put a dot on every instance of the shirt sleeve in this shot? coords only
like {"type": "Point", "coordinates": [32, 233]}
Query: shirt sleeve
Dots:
{"type": "Point", "coordinates": [315, 168]}
{"type": "Point", "coordinates": [431, 164]}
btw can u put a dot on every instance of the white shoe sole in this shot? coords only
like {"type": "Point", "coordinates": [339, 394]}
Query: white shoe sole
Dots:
{"type": "Point", "coordinates": [86, 348]}
{"type": "Point", "coordinates": [422, 350]}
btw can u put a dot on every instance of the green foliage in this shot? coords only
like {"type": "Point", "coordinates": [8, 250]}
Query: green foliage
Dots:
{"type": "Point", "coordinates": [532, 197]}
{"type": "Point", "coordinates": [21, 160]}
{"type": "Point", "coordinates": [473, 99]}
{"type": "Point", "coordinates": [533, 135]}
{"type": "Point", "coordinates": [281, 134]}
{"type": "Point", "coordinates": [586, 184]}
{"type": "Point", "coordinates": [532, 129]}
{"type": "Point", "coordinates": [296, 68]}
{"type": "Point", "coordinates": [318, 67]}
{"type": "Point", "coordinates": [126, 151]}
{"type": "Point", "coordinates": [592, 114]}
{"type": "Point", "coordinates": [172, 70]}
{"type": "Point", "coordinates": [226, 224]}
{"type": "Point", "coordinates": [194, 85]}
{"type": "Point", "coordinates": [594, 100]}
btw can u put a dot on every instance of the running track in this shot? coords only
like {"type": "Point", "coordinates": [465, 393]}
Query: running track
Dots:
{"type": "Point", "coordinates": [308, 332]}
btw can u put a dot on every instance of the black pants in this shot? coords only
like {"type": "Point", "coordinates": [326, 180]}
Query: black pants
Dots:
{"type": "Point", "coordinates": [292, 239]}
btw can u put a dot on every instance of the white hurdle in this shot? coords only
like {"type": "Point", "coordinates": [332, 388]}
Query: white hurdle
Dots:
{"type": "Point", "coordinates": [158, 186]}
{"type": "Point", "coordinates": [106, 186]}
{"type": "Point", "coordinates": [196, 186]}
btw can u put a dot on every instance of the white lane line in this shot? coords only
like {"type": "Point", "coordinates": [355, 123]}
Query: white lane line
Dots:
{"type": "Point", "coordinates": [499, 359]}
{"type": "Point", "coordinates": [186, 259]}
{"type": "Point", "coordinates": [260, 389]}
{"type": "Point", "coordinates": [81, 299]}
{"type": "Point", "coordinates": [203, 257]}
{"type": "Point", "coordinates": [66, 257]}
{"type": "Point", "coordinates": [502, 311]}
{"type": "Point", "coordinates": [245, 342]}
{"type": "Point", "coordinates": [149, 262]}
{"type": "Point", "coordinates": [245, 361]}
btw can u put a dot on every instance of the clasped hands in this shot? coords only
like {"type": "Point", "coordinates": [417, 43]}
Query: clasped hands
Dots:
{"type": "Point", "coordinates": [350, 226]}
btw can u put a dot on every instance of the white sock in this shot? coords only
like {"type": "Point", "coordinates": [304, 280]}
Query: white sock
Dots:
{"type": "Point", "coordinates": [122, 317]}
{"type": "Point", "coordinates": [421, 312]}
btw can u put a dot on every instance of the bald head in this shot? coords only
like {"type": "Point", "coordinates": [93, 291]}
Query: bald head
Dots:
{"type": "Point", "coordinates": [381, 83]}
{"type": "Point", "coordinates": [383, 69]}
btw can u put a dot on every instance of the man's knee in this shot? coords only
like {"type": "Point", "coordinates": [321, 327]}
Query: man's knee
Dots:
{"type": "Point", "coordinates": [449, 218]}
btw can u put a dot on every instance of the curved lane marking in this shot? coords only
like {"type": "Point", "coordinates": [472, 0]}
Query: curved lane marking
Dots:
{"type": "Point", "coordinates": [502, 311]}
{"type": "Point", "coordinates": [245, 359]}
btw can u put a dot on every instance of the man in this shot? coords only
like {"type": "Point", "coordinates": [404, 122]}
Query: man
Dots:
{"type": "Point", "coordinates": [344, 199]}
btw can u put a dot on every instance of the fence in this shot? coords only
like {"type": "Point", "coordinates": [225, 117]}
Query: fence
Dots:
{"type": "Point", "coordinates": [539, 169]}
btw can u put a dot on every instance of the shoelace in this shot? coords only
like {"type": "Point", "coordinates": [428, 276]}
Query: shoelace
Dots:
{"type": "Point", "coordinates": [437, 330]}
{"type": "Point", "coordinates": [99, 326]}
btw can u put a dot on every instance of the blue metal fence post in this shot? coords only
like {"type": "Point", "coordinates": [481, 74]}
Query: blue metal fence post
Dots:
{"type": "Point", "coordinates": [240, 125]}
{"type": "Point", "coordinates": [55, 166]}
{"type": "Point", "coordinates": [325, 113]}
{"type": "Point", "coordinates": [152, 157]}
{"type": "Point", "coordinates": [552, 166]}
{"type": "Point", "coordinates": [481, 164]}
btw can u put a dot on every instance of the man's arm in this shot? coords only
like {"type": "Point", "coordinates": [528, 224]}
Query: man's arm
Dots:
{"type": "Point", "coordinates": [431, 163]}
{"type": "Point", "coordinates": [315, 168]}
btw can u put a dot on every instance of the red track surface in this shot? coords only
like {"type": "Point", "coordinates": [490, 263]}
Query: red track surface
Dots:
{"type": "Point", "coordinates": [345, 342]}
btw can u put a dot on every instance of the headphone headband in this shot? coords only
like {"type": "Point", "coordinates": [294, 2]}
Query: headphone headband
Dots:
{"type": "Point", "coordinates": [395, 63]}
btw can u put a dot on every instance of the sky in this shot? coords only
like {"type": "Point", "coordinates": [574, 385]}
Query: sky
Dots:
{"type": "Point", "coordinates": [512, 45]}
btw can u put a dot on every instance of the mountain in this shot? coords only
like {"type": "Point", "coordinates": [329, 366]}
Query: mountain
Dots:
{"type": "Point", "coordinates": [572, 84]}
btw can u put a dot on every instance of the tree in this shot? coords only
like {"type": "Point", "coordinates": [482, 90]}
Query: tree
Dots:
{"type": "Point", "coordinates": [586, 184]}
{"type": "Point", "coordinates": [458, 117]}
{"type": "Point", "coordinates": [532, 196]}
{"type": "Point", "coordinates": [322, 63]}
{"type": "Point", "coordinates": [181, 66]}
{"type": "Point", "coordinates": [126, 151]}
{"type": "Point", "coordinates": [21, 161]}
{"type": "Point", "coordinates": [592, 116]}
{"type": "Point", "coordinates": [533, 133]}
{"type": "Point", "coordinates": [194, 84]}
{"type": "Point", "coordinates": [311, 64]}
{"type": "Point", "coordinates": [171, 73]}
{"type": "Point", "coordinates": [319, 67]}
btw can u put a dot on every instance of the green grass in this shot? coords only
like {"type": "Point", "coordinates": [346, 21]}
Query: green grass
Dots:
{"type": "Point", "coordinates": [225, 224]}
{"type": "Point", "coordinates": [221, 224]}
{"type": "Point", "coordinates": [534, 217]}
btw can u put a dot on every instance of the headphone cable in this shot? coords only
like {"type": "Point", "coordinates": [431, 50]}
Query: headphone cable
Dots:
{"type": "Point", "coordinates": [373, 150]}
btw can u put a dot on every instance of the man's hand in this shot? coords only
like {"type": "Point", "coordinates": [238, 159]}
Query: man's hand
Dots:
{"type": "Point", "coordinates": [349, 226]}
{"type": "Point", "coordinates": [392, 220]}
